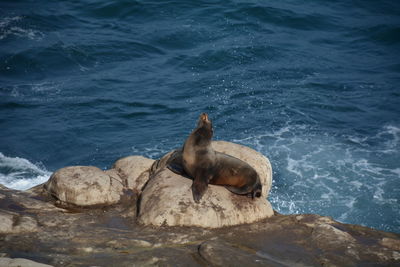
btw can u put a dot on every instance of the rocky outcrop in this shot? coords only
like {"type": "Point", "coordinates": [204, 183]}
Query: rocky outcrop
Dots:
{"type": "Point", "coordinates": [105, 233]}
{"type": "Point", "coordinates": [87, 186]}
{"type": "Point", "coordinates": [19, 211]}
{"type": "Point", "coordinates": [84, 186]}
{"type": "Point", "coordinates": [255, 159]}
{"type": "Point", "coordinates": [134, 170]}
{"type": "Point", "coordinates": [12, 222]}
{"type": "Point", "coordinates": [216, 253]}
{"type": "Point", "coordinates": [110, 237]}
{"type": "Point", "coordinates": [167, 198]}
{"type": "Point", "coordinates": [33, 228]}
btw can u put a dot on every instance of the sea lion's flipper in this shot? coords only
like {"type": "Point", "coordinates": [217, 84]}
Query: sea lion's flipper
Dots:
{"type": "Point", "coordinates": [175, 165]}
{"type": "Point", "coordinates": [176, 168]}
{"type": "Point", "coordinates": [200, 184]}
{"type": "Point", "coordinates": [198, 190]}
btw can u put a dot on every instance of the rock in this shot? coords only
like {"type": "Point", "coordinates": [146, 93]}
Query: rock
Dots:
{"type": "Point", "coordinates": [134, 170]}
{"type": "Point", "coordinates": [390, 243]}
{"type": "Point", "coordinates": [167, 200]}
{"type": "Point", "coordinates": [84, 186]}
{"type": "Point", "coordinates": [103, 237]}
{"type": "Point", "coordinates": [88, 186]}
{"type": "Point", "coordinates": [141, 243]}
{"type": "Point", "coordinates": [313, 220]}
{"type": "Point", "coordinates": [8, 262]}
{"type": "Point", "coordinates": [15, 200]}
{"type": "Point", "coordinates": [31, 203]}
{"type": "Point", "coordinates": [255, 159]}
{"type": "Point", "coordinates": [11, 222]}
{"type": "Point", "coordinates": [110, 236]}
{"type": "Point", "coordinates": [328, 236]}
{"type": "Point", "coordinates": [396, 255]}
{"type": "Point", "coordinates": [217, 253]}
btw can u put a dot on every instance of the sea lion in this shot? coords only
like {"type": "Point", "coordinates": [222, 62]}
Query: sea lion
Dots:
{"type": "Point", "coordinates": [200, 162]}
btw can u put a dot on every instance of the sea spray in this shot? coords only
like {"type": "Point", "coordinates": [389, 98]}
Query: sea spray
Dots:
{"type": "Point", "coordinates": [19, 173]}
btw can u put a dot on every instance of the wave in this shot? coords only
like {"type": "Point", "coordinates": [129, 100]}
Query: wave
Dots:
{"type": "Point", "coordinates": [348, 177]}
{"type": "Point", "coordinates": [25, 91]}
{"type": "Point", "coordinates": [21, 174]}
{"type": "Point", "coordinates": [10, 26]}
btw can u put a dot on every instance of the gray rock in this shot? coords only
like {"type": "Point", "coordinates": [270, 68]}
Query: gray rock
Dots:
{"type": "Point", "coordinates": [8, 262]}
{"type": "Point", "coordinates": [105, 237]}
{"type": "Point", "coordinates": [391, 243]}
{"type": "Point", "coordinates": [109, 236]}
{"type": "Point", "coordinates": [167, 198]}
{"type": "Point", "coordinates": [217, 253]}
{"type": "Point", "coordinates": [85, 186]}
{"type": "Point", "coordinates": [134, 170]}
{"type": "Point", "coordinates": [11, 222]}
{"type": "Point", "coordinates": [326, 235]}
{"type": "Point", "coordinates": [88, 186]}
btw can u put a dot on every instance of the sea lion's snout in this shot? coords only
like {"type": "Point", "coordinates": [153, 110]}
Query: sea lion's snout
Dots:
{"type": "Point", "coordinates": [203, 120]}
{"type": "Point", "coordinates": [204, 117]}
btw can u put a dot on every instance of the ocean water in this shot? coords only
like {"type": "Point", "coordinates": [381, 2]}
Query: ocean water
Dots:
{"type": "Point", "coordinates": [313, 85]}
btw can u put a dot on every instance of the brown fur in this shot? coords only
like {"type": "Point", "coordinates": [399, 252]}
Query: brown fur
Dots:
{"type": "Point", "coordinates": [206, 166]}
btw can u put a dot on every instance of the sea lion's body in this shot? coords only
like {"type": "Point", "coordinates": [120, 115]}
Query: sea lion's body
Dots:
{"type": "Point", "coordinates": [199, 161]}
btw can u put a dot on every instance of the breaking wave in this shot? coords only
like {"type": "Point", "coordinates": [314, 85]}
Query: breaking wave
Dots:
{"type": "Point", "coordinates": [19, 173]}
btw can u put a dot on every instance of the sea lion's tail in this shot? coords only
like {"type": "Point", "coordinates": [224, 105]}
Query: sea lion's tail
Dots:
{"type": "Point", "coordinates": [246, 190]}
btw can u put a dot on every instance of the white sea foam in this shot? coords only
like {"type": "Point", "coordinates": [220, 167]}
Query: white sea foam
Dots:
{"type": "Point", "coordinates": [32, 90]}
{"type": "Point", "coordinates": [324, 173]}
{"type": "Point", "coordinates": [11, 26]}
{"type": "Point", "coordinates": [4, 22]}
{"type": "Point", "coordinates": [19, 173]}
{"type": "Point", "coordinates": [396, 171]}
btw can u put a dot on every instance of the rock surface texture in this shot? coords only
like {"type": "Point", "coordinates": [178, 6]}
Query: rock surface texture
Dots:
{"type": "Point", "coordinates": [110, 237]}
{"type": "Point", "coordinates": [84, 186]}
{"type": "Point", "coordinates": [167, 198]}
{"type": "Point", "coordinates": [87, 186]}
{"type": "Point", "coordinates": [7, 262]}
{"type": "Point", "coordinates": [134, 170]}
{"type": "Point", "coordinates": [105, 233]}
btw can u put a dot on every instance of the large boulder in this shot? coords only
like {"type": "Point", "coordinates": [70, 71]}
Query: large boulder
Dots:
{"type": "Point", "coordinates": [85, 186]}
{"type": "Point", "coordinates": [134, 170]}
{"type": "Point", "coordinates": [255, 159]}
{"type": "Point", "coordinates": [167, 198]}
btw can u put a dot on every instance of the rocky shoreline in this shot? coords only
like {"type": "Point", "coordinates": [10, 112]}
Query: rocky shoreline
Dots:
{"type": "Point", "coordinates": [132, 216]}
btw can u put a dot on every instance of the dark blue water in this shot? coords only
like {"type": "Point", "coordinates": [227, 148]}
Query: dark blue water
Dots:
{"type": "Point", "coordinates": [313, 85]}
